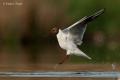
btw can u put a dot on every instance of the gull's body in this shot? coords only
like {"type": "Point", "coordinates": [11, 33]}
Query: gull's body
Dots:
{"type": "Point", "coordinates": [66, 42]}
{"type": "Point", "coordinates": [72, 36]}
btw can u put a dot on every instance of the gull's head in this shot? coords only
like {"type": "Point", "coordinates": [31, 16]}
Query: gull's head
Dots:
{"type": "Point", "coordinates": [54, 30]}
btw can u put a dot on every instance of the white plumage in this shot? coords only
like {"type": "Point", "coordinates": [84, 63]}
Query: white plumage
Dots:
{"type": "Point", "coordinates": [72, 36]}
{"type": "Point", "coordinates": [66, 42]}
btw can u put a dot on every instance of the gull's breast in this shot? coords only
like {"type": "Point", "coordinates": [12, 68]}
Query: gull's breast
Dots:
{"type": "Point", "coordinates": [62, 40]}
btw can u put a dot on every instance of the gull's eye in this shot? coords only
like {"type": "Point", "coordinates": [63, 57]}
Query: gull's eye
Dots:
{"type": "Point", "coordinates": [54, 30]}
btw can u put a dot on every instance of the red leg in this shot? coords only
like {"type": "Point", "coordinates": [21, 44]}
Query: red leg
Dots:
{"type": "Point", "coordinates": [64, 59]}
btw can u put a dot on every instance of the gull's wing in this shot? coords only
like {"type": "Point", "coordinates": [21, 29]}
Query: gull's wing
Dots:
{"type": "Point", "coordinates": [78, 52]}
{"type": "Point", "coordinates": [73, 49]}
{"type": "Point", "coordinates": [77, 29]}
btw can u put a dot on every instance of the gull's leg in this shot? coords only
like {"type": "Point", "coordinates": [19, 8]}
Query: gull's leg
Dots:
{"type": "Point", "coordinates": [61, 62]}
{"type": "Point", "coordinates": [64, 59]}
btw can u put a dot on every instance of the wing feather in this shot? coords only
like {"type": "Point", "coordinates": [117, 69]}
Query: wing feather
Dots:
{"type": "Point", "coordinates": [77, 30]}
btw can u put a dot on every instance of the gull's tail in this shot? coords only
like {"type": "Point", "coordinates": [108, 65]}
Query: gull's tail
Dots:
{"type": "Point", "coordinates": [87, 19]}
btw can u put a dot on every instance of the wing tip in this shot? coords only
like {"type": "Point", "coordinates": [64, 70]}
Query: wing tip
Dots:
{"type": "Point", "coordinates": [89, 58]}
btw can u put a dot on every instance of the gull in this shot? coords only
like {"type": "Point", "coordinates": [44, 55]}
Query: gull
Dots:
{"type": "Point", "coordinates": [71, 37]}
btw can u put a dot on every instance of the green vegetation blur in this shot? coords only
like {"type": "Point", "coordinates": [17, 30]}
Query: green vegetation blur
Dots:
{"type": "Point", "coordinates": [25, 30]}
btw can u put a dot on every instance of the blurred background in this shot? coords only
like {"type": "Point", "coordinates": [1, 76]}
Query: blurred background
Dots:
{"type": "Point", "coordinates": [25, 26]}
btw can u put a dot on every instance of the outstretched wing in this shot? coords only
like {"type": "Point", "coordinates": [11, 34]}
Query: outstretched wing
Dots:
{"type": "Point", "coordinates": [77, 30]}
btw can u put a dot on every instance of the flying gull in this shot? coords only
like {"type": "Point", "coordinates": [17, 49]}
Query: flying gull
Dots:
{"type": "Point", "coordinates": [70, 38]}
